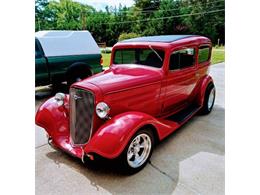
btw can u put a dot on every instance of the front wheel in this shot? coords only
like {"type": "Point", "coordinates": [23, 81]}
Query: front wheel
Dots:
{"type": "Point", "coordinates": [209, 99]}
{"type": "Point", "coordinates": [138, 151]}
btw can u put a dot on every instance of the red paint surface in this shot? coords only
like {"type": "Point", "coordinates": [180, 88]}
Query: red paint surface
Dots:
{"type": "Point", "coordinates": [137, 95]}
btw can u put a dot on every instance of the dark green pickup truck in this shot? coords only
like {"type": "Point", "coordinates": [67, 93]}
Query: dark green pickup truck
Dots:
{"type": "Point", "coordinates": [65, 56]}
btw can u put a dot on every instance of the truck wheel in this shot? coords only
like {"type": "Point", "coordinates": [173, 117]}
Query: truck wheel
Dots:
{"type": "Point", "coordinates": [137, 152]}
{"type": "Point", "coordinates": [77, 74]}
{"type": "Point", "coordinates": [209, 99]}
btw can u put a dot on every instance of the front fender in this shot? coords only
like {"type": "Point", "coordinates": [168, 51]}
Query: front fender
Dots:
{"type": "Point", "coordinates": [53, 118]}
{"type": "Point", "coordinates": [112, 137]}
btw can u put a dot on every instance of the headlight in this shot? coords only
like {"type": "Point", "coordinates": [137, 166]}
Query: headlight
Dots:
{"type": "Point", "coordinates": [102, 110]}
{"type": "Point", "coordinates": [59, 97]}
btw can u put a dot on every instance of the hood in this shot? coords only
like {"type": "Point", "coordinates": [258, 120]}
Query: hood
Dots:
{"type": "Point", "coordinates": [122, 77]}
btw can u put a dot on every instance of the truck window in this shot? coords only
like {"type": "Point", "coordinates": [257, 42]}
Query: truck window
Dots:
{"type": "Point", "coordinates": [139, 56]}
{"type": "Point", "coordinates": [37, 50]}
{"type": "Point", "coordinates": [204, 54]}
{"type": "Point", "coordinates": [183, 58]}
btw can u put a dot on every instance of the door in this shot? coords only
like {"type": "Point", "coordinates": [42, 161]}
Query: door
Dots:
{"type": "Point", "coordinates": [181, 79]}
{"type": "Point", "coordinates": [41, 69]}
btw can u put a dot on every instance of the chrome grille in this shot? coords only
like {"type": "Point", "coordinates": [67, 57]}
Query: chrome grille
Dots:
{"type": "Point", "coordinates": [81, 115]}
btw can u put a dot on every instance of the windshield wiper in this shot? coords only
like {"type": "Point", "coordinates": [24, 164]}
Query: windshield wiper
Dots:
{"type": "Point", "coordinates": [155, 53]}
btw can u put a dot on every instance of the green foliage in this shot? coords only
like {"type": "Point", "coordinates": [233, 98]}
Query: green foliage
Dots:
{"type": "Point", "coordinates": [63, 15]}
{"type": "Point", "coordinates": [146, 17]}
{"type": "Point", "coordinates": [211, 25]}
{"type": "Point", "coordinates": [147, 4]}
{"type": "Point", "coordinates": [124, 36]}
{"type": "Point", "coordinates": [40, 6]}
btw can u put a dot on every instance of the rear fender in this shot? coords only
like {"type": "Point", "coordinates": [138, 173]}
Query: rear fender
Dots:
{"type": "Point", "coordinates": [53, 118]}
{"type": "Point", "coordinates": [112, 137]}
{"type": "Point", "coordinates": [204, 84]}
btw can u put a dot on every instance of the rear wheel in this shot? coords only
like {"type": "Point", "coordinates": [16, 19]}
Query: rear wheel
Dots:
{"type": "Point", "coordinates": [138, 151]}
{"type": "Point", "coordinates": [209, 99]}
{"type": "Point", "coordinates": [77, 74]}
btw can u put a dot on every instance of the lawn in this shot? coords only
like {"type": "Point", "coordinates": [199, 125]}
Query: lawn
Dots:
{"type": "Point", "coordinates": [106, 59]}
{"type": "Point", "coordinates": [218, 55]}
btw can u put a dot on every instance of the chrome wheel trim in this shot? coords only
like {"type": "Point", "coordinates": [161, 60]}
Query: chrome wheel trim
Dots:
{"type": "Point", "coordinates": [211, 98]}
{"type": "Point", "coordinates": [139, 150]}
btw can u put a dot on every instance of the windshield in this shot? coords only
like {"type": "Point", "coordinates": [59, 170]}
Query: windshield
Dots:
{"type": "Point", "coordinates": [147, 57]}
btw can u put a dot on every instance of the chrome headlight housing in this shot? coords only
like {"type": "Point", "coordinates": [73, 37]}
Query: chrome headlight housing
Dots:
{"type": "Point", "coordinates": [59, 98]}
{"type": "Point", "coordinates": [102, 110]}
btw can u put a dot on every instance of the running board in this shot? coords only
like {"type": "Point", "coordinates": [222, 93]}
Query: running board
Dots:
{"type": "Point", "coordinates": [185, 114]}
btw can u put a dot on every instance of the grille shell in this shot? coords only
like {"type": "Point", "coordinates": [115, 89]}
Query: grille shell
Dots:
{"type": "Point", "coordinates": [81, 115]}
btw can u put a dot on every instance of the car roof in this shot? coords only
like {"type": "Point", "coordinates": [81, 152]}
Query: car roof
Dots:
{"type": "Point", "coordinates": [162, 41]}
{"type": "Point", "coordinates": [159, 38]}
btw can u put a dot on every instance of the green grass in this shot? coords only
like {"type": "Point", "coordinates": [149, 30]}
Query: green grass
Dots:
{"type": "Point", "coordinates": [218, 55]}
{"type": "Point", "coordinates": [106, 59]}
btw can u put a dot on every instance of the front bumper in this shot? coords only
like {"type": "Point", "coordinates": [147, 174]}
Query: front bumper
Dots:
{"type": "Point", "coordinates": [66, 146]}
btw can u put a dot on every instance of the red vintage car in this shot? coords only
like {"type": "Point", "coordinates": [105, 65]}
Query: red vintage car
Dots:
{"type": "Point", "coordinates": [153, 86]}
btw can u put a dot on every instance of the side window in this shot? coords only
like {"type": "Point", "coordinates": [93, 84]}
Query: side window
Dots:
{"type": "Point", "coordinates": [182, 59]}
{"type": "Point", "coordinates": [204, 52]}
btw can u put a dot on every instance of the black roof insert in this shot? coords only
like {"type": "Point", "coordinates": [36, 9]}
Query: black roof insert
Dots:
{"type": "Point", "coordinates": [159, 38]}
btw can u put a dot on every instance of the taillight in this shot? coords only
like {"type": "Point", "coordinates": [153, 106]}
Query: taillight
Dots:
{"type": "Point", "coordinates": [101, 60]}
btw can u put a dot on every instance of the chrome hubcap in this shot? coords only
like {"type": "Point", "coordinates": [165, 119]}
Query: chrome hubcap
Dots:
{"type": "Point", "coordinates": [211, 98]}
{"type": "Point", "coordinates": [139, 150]}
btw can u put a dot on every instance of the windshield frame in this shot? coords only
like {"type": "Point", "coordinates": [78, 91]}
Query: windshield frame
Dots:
{"type": "Point", "coordinates": [157, 49]}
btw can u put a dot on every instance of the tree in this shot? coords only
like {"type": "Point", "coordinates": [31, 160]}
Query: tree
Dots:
{"type": "Point", "coordinates": [146, 5]}
{"type": "Point", "coordinates": [39, 12]}
{"type": "Point", "coordinates": [163, 22]}
{"type": "Point", "coordinates": [210, 25]}
{"type": "Point", "coordinates": [63, 15]}
{"type": "Point", "coordinates": [124, 36]}
{"type": "Point", "coordinates": [145, 17]}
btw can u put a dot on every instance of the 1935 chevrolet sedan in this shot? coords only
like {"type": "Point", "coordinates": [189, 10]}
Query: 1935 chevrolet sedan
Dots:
{"type": "Point", "coordinates": [153, 86]}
